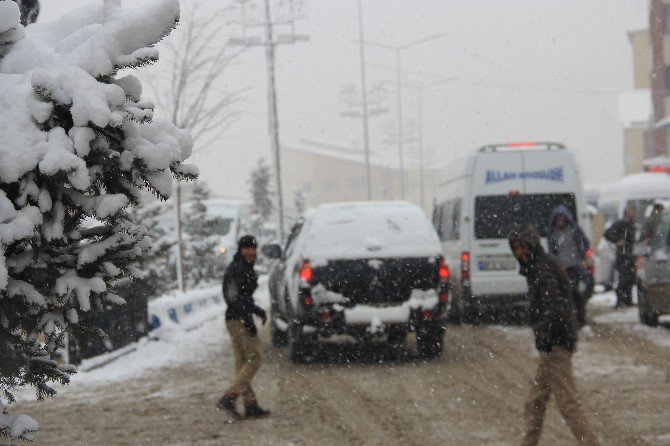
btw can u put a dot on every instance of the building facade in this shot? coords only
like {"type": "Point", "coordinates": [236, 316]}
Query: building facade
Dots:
{"type": "Point", "coordinates": [314, 173]}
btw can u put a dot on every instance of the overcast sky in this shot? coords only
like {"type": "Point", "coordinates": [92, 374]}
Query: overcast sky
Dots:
{"type": "Point", "coordinates": [525, 70]}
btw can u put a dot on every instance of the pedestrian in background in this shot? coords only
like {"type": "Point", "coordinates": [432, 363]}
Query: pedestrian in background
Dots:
{"type": "Point", "coordinates": [554, 325]}
{"type": "Point", "coordinates": [239, 283]}
{"type": "Point", "coordinates": [652, 223]}
{"type": "Point", "coordinates": [567, 241]}
{"type": "Point", "coordinates": [622, 234]}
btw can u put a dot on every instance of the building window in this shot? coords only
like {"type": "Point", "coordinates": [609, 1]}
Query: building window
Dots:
{"type": "Point", "coordinates": [666, 19]}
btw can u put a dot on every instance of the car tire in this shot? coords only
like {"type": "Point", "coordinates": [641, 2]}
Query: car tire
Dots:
{"type": "Point", "coordinates": [298, 349]}
{"type": "Point", "coordinates": [429, 342]}
{"type": "Point", "coordinates": [279, 338]}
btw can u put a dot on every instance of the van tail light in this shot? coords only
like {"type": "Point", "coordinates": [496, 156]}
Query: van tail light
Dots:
{"type": "Point", "coordinates": [590, 265]}
{"type": "Point", "coordinates": [305, 273]}
{"type": "Point", "coordinates": [465, 265]}
{"type": "Point", "coordinates": [443, 273]}
{"type": "Point", "coordinates": [444, 297]}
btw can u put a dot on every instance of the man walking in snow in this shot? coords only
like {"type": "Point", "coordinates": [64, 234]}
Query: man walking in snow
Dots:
{"type": "Point", "coordinates": [622, 234]}
{"type": "Point", "coordinates": [567, 241]}
{"type": "Point", "coordinates": [555, 327]}
{"type": "Point", "coordinates": [239, 283]}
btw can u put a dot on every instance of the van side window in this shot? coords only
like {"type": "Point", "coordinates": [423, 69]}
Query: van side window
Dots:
{"type": "Point", "coordinates": [609, 212]}
{"type": "Point", "coordinates": [447, 219]}
{"type": "Point", "coordinates": [437, 219]}
{"type": "Point", "coordinates": [455, 220]}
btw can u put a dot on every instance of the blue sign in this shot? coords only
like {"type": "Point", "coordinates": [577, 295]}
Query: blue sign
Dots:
{"type": "Point", "coordinates": [496, 176]}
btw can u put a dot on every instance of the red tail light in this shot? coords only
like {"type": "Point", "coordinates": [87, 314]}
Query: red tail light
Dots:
{"type": "Point", "coordinates": [306, 273]}
{"type": "Point", "coordinates": [444, 297]}
{"type": "Point", "coordinates": [590, 266]}
{"type": "Point", "coordinates": [308, 302]}
{"type": "Point", "coordinates": [427, 314]}
{"type": "Point", "coordinates": [465, 265]}
{"type": "Point", "coordinates": [443, 272]}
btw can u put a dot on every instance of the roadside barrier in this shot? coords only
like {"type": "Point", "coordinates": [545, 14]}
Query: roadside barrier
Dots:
{"type": "Point", "coordinates": [177, 308]}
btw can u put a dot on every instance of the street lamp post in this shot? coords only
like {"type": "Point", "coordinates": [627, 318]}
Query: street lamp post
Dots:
{"type": "Point", "coordinates": [398, 52]}
{"type": "Point", "coordinates": [241, 8]}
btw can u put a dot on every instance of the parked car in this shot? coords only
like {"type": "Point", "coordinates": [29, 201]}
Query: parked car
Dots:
{"type": "Point", "coordinates": [654, 277]}
{"type": "Point", "coordinates": [362, 271]}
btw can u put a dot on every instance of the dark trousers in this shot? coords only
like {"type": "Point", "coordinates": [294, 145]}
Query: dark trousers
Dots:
{"type": "Point", "coordinates": [625, 266]}
{"type": "Point", "coordinates": [578, 298]}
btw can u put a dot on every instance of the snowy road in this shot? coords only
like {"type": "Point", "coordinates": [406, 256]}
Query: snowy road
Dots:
{"type": "Point", "coordinates": [472, 395]}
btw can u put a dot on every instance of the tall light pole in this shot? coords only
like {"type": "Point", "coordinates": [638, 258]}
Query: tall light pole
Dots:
{"type": "Point", "coordinates": [371, 104]}
{"type": "Point", "coordinates": [240, 8]}
{"type": "Point", "coordinates": [419, 88]}
{"type": "Point", "coordinates": [398, 49]}
{"type": "Point", "coordinates": [364, 98]}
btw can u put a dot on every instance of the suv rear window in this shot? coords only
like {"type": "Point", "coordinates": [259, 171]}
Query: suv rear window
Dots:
{"type": "Point", "coordinates": [497, 215]}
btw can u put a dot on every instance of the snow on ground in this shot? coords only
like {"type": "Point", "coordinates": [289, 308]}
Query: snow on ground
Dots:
{"type": "Point", "coordinates": [172, 345]}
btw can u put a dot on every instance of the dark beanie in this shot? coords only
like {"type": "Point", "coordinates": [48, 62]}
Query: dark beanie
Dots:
{"type": "Point", "coordinates": [247, 241]}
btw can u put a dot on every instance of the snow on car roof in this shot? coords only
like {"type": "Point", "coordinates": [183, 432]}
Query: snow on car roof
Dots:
{"type": "Point", "coordinates": [369, 230]}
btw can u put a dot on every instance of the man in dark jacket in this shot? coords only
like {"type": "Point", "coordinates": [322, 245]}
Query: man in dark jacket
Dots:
{"type": "Point", "coordinates": [555, 327]}
{"type": "Point", "coordinates": [567, 241]}
{"type": "Point", "coordinates": [239, 283]}
{"type": "Point", "coordinates": [622, 234]}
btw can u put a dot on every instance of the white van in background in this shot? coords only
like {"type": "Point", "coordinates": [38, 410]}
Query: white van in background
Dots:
{"type": "Point", "coordinates": [481, 199]}
{"type": "Point", "coordinates": [638, 190]}
{"type": "Point", "coordinates": [233, 214]}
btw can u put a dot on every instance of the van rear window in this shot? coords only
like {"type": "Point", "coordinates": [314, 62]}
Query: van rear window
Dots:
{"type": "Point", "coordinates": [497, 215]}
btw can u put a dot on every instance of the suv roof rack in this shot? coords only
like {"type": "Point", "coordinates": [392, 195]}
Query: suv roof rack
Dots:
{"type": "Point", "coordinates": [489, 148]}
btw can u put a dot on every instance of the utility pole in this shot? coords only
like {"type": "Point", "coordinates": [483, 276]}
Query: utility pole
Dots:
{"type": "Point", "coordinates": [366, 133]}
{"type": "Point", "coordinates": [398, 52]}
{"type": "Point", "coordinates": [240, 8]}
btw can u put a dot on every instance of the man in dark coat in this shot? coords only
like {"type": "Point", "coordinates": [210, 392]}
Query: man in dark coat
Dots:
{"type": "Point", "coordinates": [567, 241]}
{"type": "Point", "coordinates": [239, 283]}
{"type": "Point", "coordinates": [622, 234]}
{"type": "Point", "coordinates": [555, 327]}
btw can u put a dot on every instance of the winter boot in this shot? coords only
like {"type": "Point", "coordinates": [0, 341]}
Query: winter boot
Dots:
{"type": "Point", "coordinates": [253, 411]}
{"type": "Point", "coordinates": [227, 403]}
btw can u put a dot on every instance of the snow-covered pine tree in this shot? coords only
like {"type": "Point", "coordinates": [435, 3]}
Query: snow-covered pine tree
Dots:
{"type": "Point", "coordinates": [261, 195]}
{"type": "Point", "coordinates": [77, 143]}
{"type": "Point", "coordinates": [202, 263]}
{"type": "Point", "coordinates": [158, 260]}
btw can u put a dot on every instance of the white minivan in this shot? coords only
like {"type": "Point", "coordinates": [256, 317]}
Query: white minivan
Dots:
{"type": "Point", "coordinates": [638, 190]}
{"type": "Point", "coordinates": [481, 199]}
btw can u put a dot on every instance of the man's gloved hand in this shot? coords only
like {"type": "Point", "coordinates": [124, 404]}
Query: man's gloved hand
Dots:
{"type": "Point", "coordinates": [258, 311]}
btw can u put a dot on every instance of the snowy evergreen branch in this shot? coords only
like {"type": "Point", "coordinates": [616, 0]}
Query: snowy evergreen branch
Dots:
{"type": "Point", "coordinates": [79, 146]}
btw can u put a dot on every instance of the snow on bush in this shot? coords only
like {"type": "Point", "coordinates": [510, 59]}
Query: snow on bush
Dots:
{"type": "Point", "coordinates": [77, 144]}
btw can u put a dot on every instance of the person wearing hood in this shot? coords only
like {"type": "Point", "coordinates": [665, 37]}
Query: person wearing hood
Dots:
{"type": "Point", "coordinates": [554, 324]}
{"type": "Point", "coordinates": [239, 283]}
{"type": "Point", "coordinates": [567, 241]}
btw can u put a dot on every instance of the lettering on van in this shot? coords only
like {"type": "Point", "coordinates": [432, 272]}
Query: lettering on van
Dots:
{"type": "Point", "coordinates": [496, 176]}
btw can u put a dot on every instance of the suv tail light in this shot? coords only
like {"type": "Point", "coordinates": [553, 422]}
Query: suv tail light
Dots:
{"type": "Point", "coordinates": [305, 273]}
{"type": "Point", "coordinates": [465, 265]}
{"type": "Point", "coordinates": [443, 273]}
{"type": "Point", "coordinates": [590, 265]}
